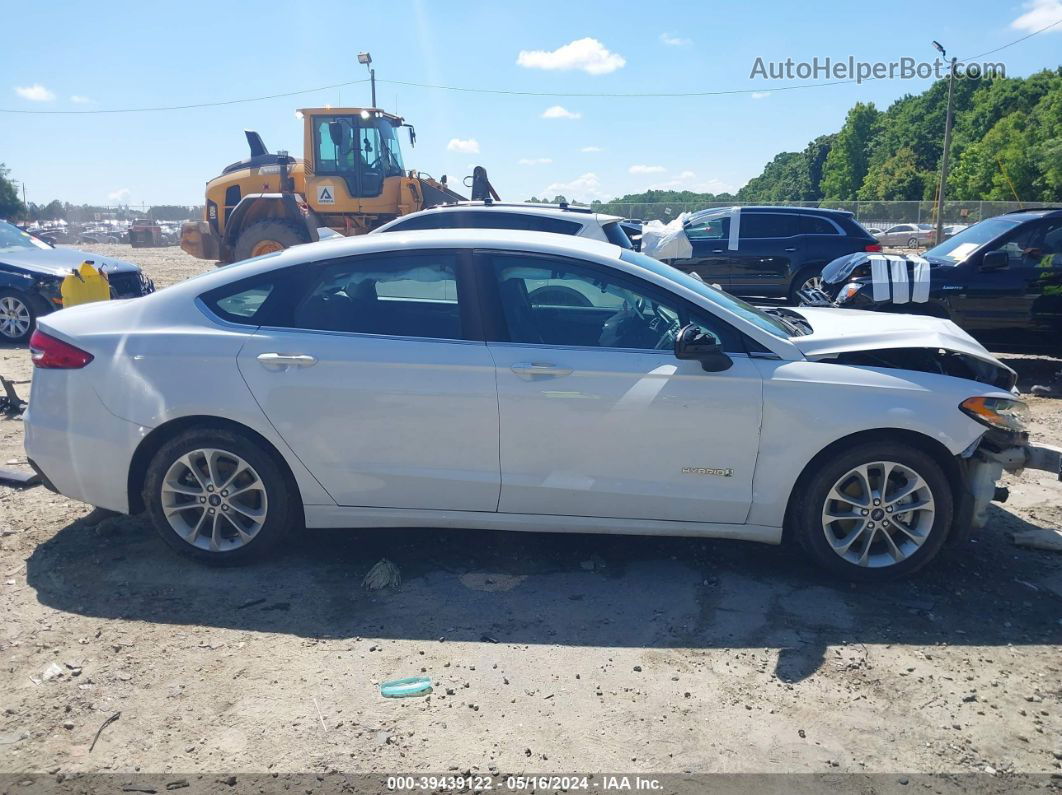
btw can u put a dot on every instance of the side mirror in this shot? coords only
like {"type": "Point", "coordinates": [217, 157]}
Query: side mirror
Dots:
{"type": "Point", "coordinates": [335, 132]}
{"type": "Point", "coordinates": [692, 343]}
{"type": "Point", "coordinates": [994, 261]}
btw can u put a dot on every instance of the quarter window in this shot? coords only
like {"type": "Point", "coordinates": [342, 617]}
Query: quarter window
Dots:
{"type": "Point", "coordinates": [814, 225]}
{"type": "Point", "coordinates": [561, 302]}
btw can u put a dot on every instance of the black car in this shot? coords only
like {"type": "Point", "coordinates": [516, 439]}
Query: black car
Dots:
{"type": "Point", "coordinates": [779, 250]}
{"type": "Point", "coordinates": [31, 272]}
{"type": "Point", "coordinates": [1000, 280]}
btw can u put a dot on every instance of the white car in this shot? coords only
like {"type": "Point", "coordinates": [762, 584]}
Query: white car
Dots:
{"type": "Point", "coordinates": [560, 219]}
{"type": "Point", "coordinates": [449, 379]}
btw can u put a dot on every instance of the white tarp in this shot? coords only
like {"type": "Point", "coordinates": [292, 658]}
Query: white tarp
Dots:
{"type": "Point", "coordinates": [666, 241]}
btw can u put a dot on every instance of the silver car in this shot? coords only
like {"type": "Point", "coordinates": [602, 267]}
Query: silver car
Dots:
{"type": "Point", "coordinates": [908, 235]}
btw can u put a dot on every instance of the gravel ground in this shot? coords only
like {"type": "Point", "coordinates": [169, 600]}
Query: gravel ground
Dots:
{"type": "Point", "coordinates": [549, 653]}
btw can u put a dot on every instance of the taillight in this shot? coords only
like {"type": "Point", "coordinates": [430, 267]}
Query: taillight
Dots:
{"type": "Point", "coordinates": [872, 247]}
{"type": "Point", "coordinates": [52, 354]}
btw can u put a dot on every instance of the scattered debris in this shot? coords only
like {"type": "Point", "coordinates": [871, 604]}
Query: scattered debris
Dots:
{"type": "Point", "coordinates": [53, 670]}
{"type": "Point", "coordinates": [384, 574]}
{"type": "Point", "coordinates": [406, 688]}
{"type": "Point", "coordinates": [103, 726]}
{"type": "Point", "coordinates": [1039, 538]}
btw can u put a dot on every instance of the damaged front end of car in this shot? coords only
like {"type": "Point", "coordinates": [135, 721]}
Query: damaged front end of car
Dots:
{"type": "Point", "coordinates": [922, 344]}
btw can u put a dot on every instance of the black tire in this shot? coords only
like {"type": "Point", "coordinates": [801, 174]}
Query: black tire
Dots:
{"type": "Point", "coordinates": [17, 301]}
{"type": "Point", "coordinates": [282, 505]}
{"type": "Point", "coordinates": [281, 233]}
{"type": "Point", "coordinates": [798, 281]}
{"type": "Point", "coordinates": [811, 497]}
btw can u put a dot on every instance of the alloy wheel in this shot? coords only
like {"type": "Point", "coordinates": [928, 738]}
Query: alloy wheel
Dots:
{"type": "Point", "coordinates": [812, 283]}
{"type": "Point", "coordinates": [878, 514]}
{"type": "Point", "coordinates": [15, 317]}
{"type": "Point", "coordinates": [214, 500]}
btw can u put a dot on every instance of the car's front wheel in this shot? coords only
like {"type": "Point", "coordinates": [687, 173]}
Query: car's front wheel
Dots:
{"type": "Point", "coordinates": [218, 497]}
{"type": "Point", "coordinates": [877, 512]}
{"type": "Point", "coordinates": [17, 316]}
{"type": "Point", "coordinates": [807, 279]}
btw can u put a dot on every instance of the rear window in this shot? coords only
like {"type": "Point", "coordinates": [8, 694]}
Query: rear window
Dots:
{"type": "Point", "coordinates": [616, 236]}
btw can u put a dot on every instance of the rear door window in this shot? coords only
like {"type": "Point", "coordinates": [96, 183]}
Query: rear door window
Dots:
{"type": "Point", "coordinates": [766, 225]}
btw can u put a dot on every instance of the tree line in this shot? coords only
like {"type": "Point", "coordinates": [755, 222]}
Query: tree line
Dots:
{"type": "Point", "coordinates": [1006, 146]}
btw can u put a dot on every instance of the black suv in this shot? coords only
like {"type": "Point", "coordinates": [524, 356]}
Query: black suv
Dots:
{"type": "Point", "coordinates": [1000, 280]}
{"type": "Point", "coordinates": [780, 250]}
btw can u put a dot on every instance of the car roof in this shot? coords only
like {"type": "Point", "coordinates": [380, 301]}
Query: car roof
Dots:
{"type": "Point", "coordinates": [755, 208]}
{"type": "Point", "coordinates": [561, 211]}
{"type": "Point", "coordinates": [1031, 214]}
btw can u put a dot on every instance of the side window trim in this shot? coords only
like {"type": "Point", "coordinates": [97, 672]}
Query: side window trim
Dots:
{"type": "Point", "coordinates": [494, 326]}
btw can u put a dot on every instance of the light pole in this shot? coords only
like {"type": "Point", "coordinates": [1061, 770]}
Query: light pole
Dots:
{"type": "Point", "coordinates": [947, 142]}
{"type": "Point", "coordinates": [365, 58]}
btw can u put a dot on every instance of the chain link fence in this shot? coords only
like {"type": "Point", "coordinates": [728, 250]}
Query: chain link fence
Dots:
{"type": "Point", "coordinates": [877, 214]}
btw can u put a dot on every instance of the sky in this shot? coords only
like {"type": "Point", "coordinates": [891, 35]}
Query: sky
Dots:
{"type": "Point", "coordinates": [74, 56]}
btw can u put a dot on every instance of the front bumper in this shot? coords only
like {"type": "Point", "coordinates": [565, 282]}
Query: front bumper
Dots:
{"type": "Point", "coordinates": [985, 466]}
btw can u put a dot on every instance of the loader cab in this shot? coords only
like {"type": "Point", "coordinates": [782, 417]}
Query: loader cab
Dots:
{"type": "Point", "coordinates": [358, 146]}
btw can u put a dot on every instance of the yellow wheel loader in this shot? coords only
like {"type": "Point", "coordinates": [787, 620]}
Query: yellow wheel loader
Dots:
{"type": "Point", "coordinates": [351, 180]}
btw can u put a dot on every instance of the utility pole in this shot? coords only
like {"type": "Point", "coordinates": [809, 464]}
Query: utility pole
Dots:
{"type": "Point", "coordinates": [366, 58]}
{"type": "Point", "coordinates": [947, 144]}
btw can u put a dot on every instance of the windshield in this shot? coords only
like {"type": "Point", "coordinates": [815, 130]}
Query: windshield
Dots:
{"type": "Point", "coordinates": [956, 249]}
{"type": "Point", "coordinates": [365, 144]}
{"type": "Point", "coordinates": [12, 239]}
{"type": "Point", "coordinates": [725, 300]}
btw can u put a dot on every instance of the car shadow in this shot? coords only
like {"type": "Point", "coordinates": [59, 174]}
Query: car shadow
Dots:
{"type": "Point", "coordinates": [574, 590]}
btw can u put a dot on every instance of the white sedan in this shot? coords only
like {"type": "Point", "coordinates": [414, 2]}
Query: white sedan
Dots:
{"type": "Point", "coordinates": [522, 381]}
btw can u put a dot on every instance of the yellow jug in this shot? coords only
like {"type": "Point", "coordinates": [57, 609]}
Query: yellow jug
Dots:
{"type": "Point", "coordinates": [85, 285]}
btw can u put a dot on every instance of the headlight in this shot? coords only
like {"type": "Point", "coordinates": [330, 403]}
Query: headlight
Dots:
{"type": "Point", "coordinates": [849, 291]}
{"type": "Point", "coordinates": [1002, 413]}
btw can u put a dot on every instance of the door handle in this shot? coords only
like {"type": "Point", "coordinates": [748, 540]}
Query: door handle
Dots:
{"type": "Point", "coordinates": [790, 249]}
{"type": "Point", "coordinates": [533, 369]}
{"type": "Point", "coordinates": [282, 361]}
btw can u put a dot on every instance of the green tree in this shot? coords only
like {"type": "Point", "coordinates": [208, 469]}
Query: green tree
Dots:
{"type": "Point", "coordinates": [848, 160]}
{"type": "Point", "coordinates": [11, 205]}
{"type": "Point", "coordinates": [896, 179]}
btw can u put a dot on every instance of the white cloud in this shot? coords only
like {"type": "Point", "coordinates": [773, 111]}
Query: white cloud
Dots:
{"type": "Point", "coordinates": [468, 146]}
{"type": "Point", "coordinates": [35, 93]}
{"type": "Point", "coordinates": [589, 55]}
{"type": "Point", "coordinates": [582, 188]}
{"type": "Point", "coordinates": [119, 195]}
{"type": "Point", "coordinates": [559, 112]}
{"type": "Point", "coordinates": [760, 94]}
{"type": "Point", "coordinates": [591, 149]}
{"type": "Point", "coordinates": [674, 41]}
{"type": "Point", "coordinates": [534, 161]}
{"type": "Point", "coordinates": [687, 180]}
{"type": "Point", "coordinates": [1038, 15]}
{"type": "Point", "coordinates": [640, 169]}
{"type": "Point", "coordinates": [77, 99]}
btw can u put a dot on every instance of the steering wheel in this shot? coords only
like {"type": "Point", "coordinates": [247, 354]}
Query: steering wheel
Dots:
{"type": "Point", "coordinates": [671, 328]}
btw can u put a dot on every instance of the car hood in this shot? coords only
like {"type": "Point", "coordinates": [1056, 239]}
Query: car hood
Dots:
{"type": "Point", "coordinates": [849, 330]}
{"type": "Point", "coordinates": [60, 261]}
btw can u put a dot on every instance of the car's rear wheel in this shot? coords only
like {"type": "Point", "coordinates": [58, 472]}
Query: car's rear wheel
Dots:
{"type": "Point", "coordinates": [266, 237]}
{"type": "Point", "coordinates": [912, 242]}
{"type": "Point", "coordinates": [877, 512]}
{"type": "Point", "coordinates": [218, 497]}
{"type": "Point", "coordinates": [17, 316]}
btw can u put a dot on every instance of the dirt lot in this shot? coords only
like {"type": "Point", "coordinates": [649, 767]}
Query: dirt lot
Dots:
{"type": "Point", "coordinates": [548, 653]}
